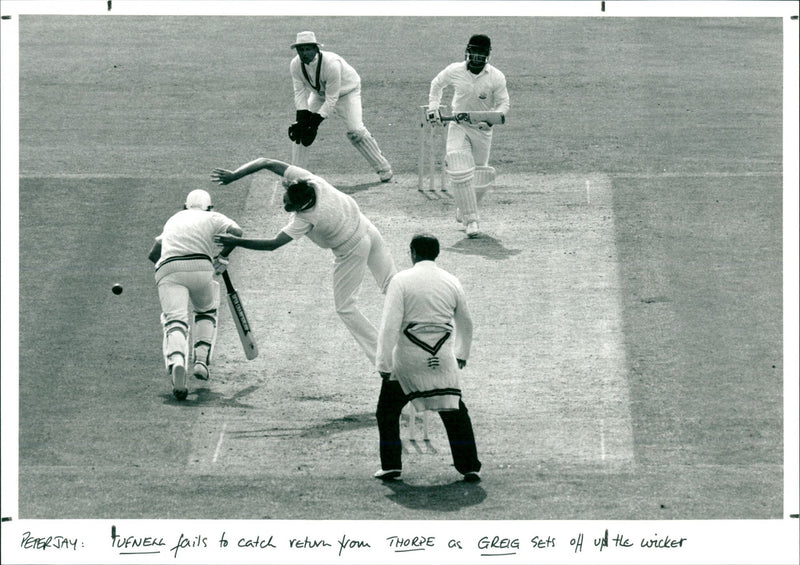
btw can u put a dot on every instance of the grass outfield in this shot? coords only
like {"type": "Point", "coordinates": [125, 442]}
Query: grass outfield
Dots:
{"type": "Point", "coordinates": [627, 292]}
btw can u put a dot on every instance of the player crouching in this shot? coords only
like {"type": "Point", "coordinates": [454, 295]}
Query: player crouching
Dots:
{"type": "Point", "coordinates": [184, 273]}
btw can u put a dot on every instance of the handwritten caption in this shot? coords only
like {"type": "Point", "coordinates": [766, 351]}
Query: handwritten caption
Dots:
{"type": "Point", "coordinates": [123, 542]}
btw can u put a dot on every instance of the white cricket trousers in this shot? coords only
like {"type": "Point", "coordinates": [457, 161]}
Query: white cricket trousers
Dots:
{"type": "Point", "coordinates": [175, 291]}
{"type": "Point", "coordinates": [349, 269]}
{"type": "Point", "coordinates": [464, 138]}
{"type": "Point", "coordinates": [348, 108]}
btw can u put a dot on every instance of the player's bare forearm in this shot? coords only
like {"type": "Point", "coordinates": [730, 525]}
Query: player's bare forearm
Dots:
{"type": "Point", "coordinates": [224, 176]}
{"type": "Point", "coordinates": [232, 241]}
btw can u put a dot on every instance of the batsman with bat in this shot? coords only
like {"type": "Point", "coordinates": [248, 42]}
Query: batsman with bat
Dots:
{"type": "Point", "coordinates": [477, 87]}
{"type": "Point", "coordinates": [185, 264]}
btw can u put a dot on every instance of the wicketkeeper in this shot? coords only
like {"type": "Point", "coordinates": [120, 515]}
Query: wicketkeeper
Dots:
{"type": "Point", "coordinates": [324, 84]}
{"type": "Point", "coordinates": [186, 261]}
{"type": "Point", "coordinates": [478, 86]}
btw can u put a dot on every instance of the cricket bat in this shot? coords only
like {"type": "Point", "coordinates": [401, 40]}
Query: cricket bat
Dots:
{"type": "Point", "coordinates": [240, 319]}
{"type": "Point", "coordinates": [491, 118]}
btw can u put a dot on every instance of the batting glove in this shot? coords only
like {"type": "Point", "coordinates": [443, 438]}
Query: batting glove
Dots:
{"type": "Point", "coordinates": [220, 264]}
{"type": "Point", "coordinates": [434, 116]}
{"type": "Point", "coordinates": [484, 126]}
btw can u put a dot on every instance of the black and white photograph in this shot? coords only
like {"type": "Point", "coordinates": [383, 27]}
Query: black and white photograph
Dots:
{"type": "Point", "coordinates": [393, 282]}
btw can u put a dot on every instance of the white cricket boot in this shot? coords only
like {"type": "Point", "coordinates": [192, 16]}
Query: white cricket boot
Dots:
{"type": "Point", "coordinates": [201, 371]}
{"type": "Point", "coordinates": [177, 370]}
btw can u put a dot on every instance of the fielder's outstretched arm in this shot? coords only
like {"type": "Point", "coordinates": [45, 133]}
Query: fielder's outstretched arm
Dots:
{"type": "Point", "coordinates": [224, 176]}
{"type": "Point", "coordinates": [256, 244]}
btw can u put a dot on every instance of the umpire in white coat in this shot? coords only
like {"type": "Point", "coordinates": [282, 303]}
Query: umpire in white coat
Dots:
{"type": "Point", "coordinates": [423, 341]}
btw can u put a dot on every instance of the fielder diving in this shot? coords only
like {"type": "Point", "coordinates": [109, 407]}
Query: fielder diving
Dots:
{"type": "Point", "coordinates": [184, 273]}
{"type": "Point", "coordinates": [332, 220]}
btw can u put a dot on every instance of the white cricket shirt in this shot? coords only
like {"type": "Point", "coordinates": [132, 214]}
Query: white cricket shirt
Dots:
{"type": "Point", "coordinates": [485, 91]}
{"type": "Point", "coordinates": [336, 79]}
{"type": "Point", "coordinates": [334, 220]}
{"type": "Point", "coordinates": [191, 232]}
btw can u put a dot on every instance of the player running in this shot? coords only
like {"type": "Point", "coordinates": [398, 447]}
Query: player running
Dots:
{"type": "Point", "coordinates": [325, 84]}
{"type": "Point", "coordinates": [185, 272]}
{"type": "Point", "coordinates": [332, 220]}
{"type": "Point", "coordinates": [477, 86]}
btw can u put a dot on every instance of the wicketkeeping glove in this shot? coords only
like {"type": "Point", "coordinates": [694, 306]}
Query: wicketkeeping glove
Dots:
{"type": "Point", "coordinates": [309, 134]}
{"type": "Point", "coordinates": [303, 116]}
{"type": "Point", "coordinates": [296, 131]}
{"type": "Point", "coordinates": [301, 120]}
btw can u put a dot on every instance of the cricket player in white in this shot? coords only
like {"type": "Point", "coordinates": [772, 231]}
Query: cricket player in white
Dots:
{"type": "Point", "coordinates": [423, 342]}
{"type": "Point", "coordinates": [332, 220]}
{"type": "Point", "coordinates": [325, 84]}
{"type": "Point", "coordinates": [185, 264]}
{"type": "Point", "coordinates": [478, 86]}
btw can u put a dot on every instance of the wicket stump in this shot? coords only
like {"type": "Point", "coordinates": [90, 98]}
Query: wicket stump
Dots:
{"type": "Point", "coordinates": [432, 149]}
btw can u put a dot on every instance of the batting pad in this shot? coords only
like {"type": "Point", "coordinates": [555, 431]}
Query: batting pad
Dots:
{"type": "Point", "coordinates": [484, 179]}
{"type": "Point", "coordinates": [460, 166]}
{"type": "Point", "coordinates": [205, 335]}
{"type": "Point", "coordinates": [175, 339]}
{"type": "Point", "coordinates": [368, 147]}
{"type": "Point", "coordinates": [461, 170]}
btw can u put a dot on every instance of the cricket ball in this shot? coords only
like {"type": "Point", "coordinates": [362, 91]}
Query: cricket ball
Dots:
{"type": "Point", "coordinates": [117, 289]}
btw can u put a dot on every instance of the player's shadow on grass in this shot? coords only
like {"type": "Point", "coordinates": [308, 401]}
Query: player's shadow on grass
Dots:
{"type": "Point", "coordinates": [343, 424]}
{"type": "Point", "coordinates": [358, 187]}
{"type": "Point", "coordinates": [484, 246]}
{"type": "Point", "coordinates": [441, 498]}
{"type": "Point", "coordinates": [205, 397]}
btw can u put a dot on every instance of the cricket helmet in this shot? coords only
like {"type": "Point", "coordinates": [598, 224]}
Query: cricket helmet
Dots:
{"type": "Point", "coordinates": [198, 200]}
{"type": "Point", "coordinates": [478, 49]}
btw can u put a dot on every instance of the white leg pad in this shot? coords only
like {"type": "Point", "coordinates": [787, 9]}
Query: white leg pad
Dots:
{"type": "Point", "coordinates": [175, 339]}
{"type": "Point", "coordinates": [484, 180]}
{"type": "Point", "coordinates": [205, 335]}
{"type": "Point", "coordinates": [368, 147]}
{"type": "Point", "coordinates": [461, 170]}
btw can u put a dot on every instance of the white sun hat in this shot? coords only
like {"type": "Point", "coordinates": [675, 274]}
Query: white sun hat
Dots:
{"type": "Point", "coordinates": [305, 38]}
